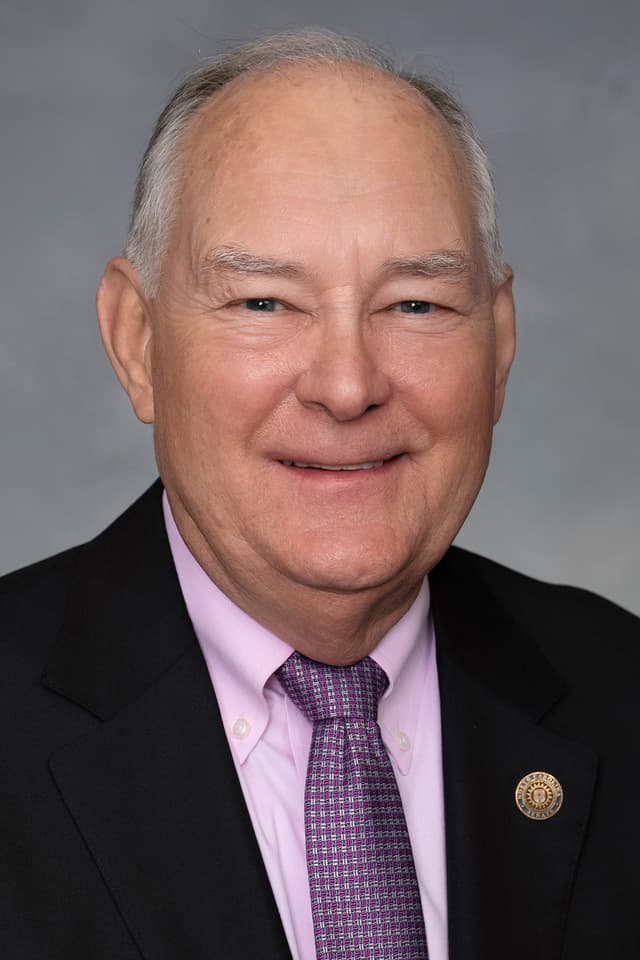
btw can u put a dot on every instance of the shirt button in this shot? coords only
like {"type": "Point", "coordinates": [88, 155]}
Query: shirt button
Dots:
{"type": "Point", "coordinates": [403, 741]}
{"type": "Point", "coordinates": [241, 728]}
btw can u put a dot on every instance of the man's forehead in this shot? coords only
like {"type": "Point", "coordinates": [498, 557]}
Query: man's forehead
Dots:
{"type": "Point", "coordinates": [346, 153]}
{"type": "Point", "coordinates": [309, 96]}
{"type": "Point", "coordinates": [356, 130]}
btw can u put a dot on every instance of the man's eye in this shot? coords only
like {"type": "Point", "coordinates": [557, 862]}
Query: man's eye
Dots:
{"type": "Point", "coordinates": [262, 305]}
{"type": "Point", "coordinates": [415, 306]}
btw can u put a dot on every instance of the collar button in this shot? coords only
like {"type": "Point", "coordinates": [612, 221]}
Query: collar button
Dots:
{"type": "Point", "coordinates": [240, 728]}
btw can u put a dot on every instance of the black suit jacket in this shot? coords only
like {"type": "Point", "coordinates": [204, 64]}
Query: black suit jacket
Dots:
{"type": "Point", "coordinates": [125, 833]}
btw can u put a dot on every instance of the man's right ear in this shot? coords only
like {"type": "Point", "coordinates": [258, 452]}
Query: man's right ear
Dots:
{"type": "Point", "coordinates": [125, 325]}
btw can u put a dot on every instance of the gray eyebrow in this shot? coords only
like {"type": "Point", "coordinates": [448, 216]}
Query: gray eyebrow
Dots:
{"type": "Point", "coordinates": [231, 259]}
{"type": "Point", "coordinates": [439, 264]}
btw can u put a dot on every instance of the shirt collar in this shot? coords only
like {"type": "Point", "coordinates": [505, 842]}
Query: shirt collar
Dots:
{"type": "Point", "coordinates": [240, 653]}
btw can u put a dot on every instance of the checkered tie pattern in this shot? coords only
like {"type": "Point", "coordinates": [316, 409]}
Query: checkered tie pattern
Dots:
{"type": "Point", "coordinates": [364, 891]}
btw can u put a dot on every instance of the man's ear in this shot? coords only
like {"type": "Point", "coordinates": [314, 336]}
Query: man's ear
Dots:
{"type": "Point", "coordinates": [125, 325]}
{"type": "Point", "coordinates": [504, 317]}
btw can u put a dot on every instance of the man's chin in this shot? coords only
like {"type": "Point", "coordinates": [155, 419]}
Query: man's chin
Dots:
{"type": "Point", "coordinates": [341, 566]}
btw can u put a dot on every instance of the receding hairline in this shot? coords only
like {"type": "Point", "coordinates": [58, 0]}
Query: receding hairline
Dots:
{"type": "Point", "coordinates": [341, 65]}
{"type": "Point", "coordinates": [254, 77]}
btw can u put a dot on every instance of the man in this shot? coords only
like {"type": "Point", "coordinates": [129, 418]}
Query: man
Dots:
{"type": "Point", "coordinates": [315, 315]}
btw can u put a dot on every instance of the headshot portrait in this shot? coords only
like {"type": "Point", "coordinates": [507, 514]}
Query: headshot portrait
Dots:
{"type": "Point", "coordinates": [334, 649]}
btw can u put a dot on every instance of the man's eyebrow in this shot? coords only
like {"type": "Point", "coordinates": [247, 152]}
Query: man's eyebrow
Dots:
{"type": "Point", "coordinates": [439, 264]}
{"type": "Point", "coordinates": [452, 265]}
{"type": "Point", "coordinates": [234, 260]}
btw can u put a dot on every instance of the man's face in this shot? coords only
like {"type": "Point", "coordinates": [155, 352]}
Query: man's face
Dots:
{"type": "Point", "coordinates": [325, 342]}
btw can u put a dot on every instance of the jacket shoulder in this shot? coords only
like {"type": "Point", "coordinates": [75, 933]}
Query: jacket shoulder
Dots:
{"type": "Point", "coordinates": [41, 587]}
{"type": "Point", "coordinates": [32, 585]}
{"type": "Point", "coordinates": [523, 591]}
{"type": "Point", "coordinates": [576, 629]}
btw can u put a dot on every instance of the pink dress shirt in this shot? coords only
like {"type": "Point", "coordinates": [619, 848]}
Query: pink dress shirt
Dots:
{"type": "Point", "coordinates": [270, 739]}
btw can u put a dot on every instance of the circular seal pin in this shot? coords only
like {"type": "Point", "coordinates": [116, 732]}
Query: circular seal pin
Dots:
{"type": "Point", "coordinates": [539, 796]}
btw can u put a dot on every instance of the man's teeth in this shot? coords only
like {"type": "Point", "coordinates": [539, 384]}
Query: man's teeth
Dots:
{"type": "Point", "coordinates": [342, 466]}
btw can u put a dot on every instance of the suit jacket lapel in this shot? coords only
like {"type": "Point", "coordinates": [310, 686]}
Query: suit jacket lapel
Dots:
{"type": "Point", "coordinates": [153, 788]}
{"type": "Point", "coordinates": [509, 877]}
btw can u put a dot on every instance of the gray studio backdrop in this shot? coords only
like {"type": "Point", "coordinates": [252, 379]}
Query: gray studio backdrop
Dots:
{"type": "Point", "coordinates": [554, 87]}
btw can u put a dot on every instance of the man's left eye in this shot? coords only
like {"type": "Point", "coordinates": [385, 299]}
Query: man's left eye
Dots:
{"type": "Point", "coordinates": [415, 307]}
{"type": "Point", "coordinates": [262, 304]}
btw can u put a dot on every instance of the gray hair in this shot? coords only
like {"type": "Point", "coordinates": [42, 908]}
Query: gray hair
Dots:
{"type": "Point", "coordinates": [155, 199]}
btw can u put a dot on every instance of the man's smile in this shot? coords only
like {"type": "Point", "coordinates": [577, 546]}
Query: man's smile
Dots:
{"type": "Point", "coordinates": [362, 477]}
{"type": "Point", "coordinates": [371, 465]}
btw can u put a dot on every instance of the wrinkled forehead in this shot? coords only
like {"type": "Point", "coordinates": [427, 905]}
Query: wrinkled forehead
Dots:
{"type": "Point", "coordinates": [323, 133]}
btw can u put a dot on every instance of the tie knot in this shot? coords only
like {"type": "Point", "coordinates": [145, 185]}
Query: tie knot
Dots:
{"type": "Point", "coordinates": [324, 692]}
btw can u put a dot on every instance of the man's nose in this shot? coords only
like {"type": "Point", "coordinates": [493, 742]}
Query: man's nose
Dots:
{"type": "Point", "coordinates": [343, 374]}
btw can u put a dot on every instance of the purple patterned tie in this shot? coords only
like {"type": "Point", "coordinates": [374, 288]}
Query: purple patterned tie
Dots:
{"type": "Point", "coordinates": [364, 892]}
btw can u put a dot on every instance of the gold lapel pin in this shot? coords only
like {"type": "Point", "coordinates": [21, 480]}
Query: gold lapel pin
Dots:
{"type": "Point", "coordinates": [539, 796]}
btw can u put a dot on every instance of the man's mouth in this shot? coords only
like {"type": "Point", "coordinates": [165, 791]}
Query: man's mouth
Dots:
{"type": "Point", "coordinates": [370, 465]}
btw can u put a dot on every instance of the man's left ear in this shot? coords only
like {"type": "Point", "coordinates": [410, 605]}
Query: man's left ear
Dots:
{"type": "Point", "coordinates": [125, 325]}
{"type": "Point", "coordinates": [505, 333]}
